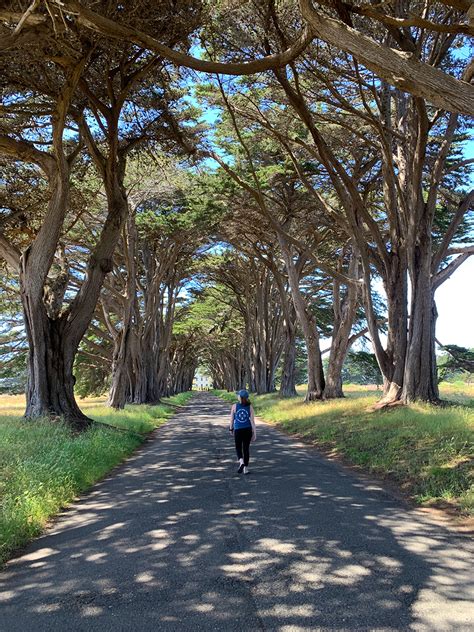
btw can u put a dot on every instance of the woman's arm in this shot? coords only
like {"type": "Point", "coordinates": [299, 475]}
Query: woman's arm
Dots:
{"type": "Point", "coordinates": [252, 421]}
{"type": "Point", "coordinates": [231, 421]}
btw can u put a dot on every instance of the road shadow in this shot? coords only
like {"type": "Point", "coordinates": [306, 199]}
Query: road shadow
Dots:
{"type": "Point", "coordinates": [175, 540]}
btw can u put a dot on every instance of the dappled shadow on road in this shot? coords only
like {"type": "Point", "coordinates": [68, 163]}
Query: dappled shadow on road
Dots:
{"type": "Point", "coordinates": [177, 541]}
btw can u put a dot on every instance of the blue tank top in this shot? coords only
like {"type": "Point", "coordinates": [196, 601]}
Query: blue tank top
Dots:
{"type": "Point", "coordinates": [242, 417]}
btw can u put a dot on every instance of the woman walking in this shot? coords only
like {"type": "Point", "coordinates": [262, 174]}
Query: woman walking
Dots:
{"type": "Point", "coordinates": [242, 424]}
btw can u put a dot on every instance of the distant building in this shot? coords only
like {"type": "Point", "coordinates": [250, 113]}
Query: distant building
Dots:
{"type": "Point", "coordinates": [202, 382]}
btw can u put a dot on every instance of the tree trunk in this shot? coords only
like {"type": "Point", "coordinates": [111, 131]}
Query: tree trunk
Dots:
{"type": "Point", "coordinates": [392, 360]}
{"type": "Point", "coordinates": [420, 379]}
{"type": "Point", "coordinates": [50, 384]}
{"type": "Point", "coordinates": [166, 331]}
{"type": "Point", "coordinates": [344, 315]}
{"type": "Point", "coordinates": [288, 381]}
{"type": "Point", "coordinates": [316, 383]}
{"type": "Point", "coordinates": [147, 389]}
{"type": "Point", "coordinates": [333, 388]}
{"type": "Point", "coordinates": [122, 368]}
{"type": "Point", "coordinates": [120, 387]}
{"type": "Point", "coordinates": [288, 376]}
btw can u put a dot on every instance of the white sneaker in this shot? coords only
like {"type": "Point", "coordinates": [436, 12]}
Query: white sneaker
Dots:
{"type": "Point", "coordinates": [246, 470]}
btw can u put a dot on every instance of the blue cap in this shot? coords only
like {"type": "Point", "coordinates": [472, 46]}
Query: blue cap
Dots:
{"type": "Point", "coordinates": [243, 393]}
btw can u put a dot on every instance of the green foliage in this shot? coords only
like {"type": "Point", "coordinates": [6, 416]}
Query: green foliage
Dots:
{"type": "Point", "coordinates": [211, 318]}
{"type": "Point", "coordinates": [456, 363]}
{"type": "Point", "coordinates": [175, 201]}
{"type": "Point", "coordinates": [91, 373]}
{"type": "Point", "coordinates": [13, 347]}
{"type": "Point", "coordinates": [361, 367]}
{"type": "Point", "coordinates": [44, 465]}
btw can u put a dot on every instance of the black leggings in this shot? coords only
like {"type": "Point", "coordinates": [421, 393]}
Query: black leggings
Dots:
{"type": "Point", "coordinates": [242, 443]}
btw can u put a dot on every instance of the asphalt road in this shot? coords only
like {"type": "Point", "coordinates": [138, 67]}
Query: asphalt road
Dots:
{"type": "Point", "coordinates": [176, 540]}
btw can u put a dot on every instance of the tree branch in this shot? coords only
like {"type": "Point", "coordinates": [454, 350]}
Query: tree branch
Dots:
{"type": "Point", "coordinates": [10, 253]}
{"type": "Point", "coordinates": [27, 152]}
{"type": "Point", "coordinates": [398, 68]}
{"type": "Point", "coordinates": [452, 228]}
{"type": "Point", "coordinates": [109, 28]}
{"type": "Point", "coordinates": [409, 22]}
{"type": "Point", "coordinates": [444, 274]}
{"type": "Point", "coordinates": [461, 251]}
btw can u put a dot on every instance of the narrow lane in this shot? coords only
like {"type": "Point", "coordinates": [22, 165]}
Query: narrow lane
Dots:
{"type": "Point", "coordinates": [176, 540]}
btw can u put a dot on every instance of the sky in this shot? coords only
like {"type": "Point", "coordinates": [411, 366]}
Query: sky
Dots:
{"type": "Point", "coordinates": [455, 303]}
{"type": "Point", "coordinates": [455, 298]}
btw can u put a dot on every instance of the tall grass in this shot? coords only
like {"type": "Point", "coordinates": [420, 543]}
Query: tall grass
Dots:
{"type": "Point", "coordinates": [43, 465]}
{"type": "Point", "coordinates": [427, 450]}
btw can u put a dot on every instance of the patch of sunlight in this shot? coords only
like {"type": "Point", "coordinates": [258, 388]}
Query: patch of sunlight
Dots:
{"type": "Point", "coordinates": [348, 575]}
{"type": "Point", "coordinates": [39, 554]}
{"type": "Point", "coordinates": [287, 611]}
{"type": "Point", "coordinates": [203, 607]}
{"type": "Point", "coordinates": [96, 557]}
{"type": "Point", "coordinates": [109, 531]}
{"type": "Point", "coordinates": [92, 611]}
{"type": "Point", "coordinates": [144, 578]}
{"type": "Point", "coordinates": [277, 546]}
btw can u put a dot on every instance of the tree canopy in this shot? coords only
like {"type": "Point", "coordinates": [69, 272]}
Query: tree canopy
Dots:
{"type": "Point", "coordinates": [231, 185]}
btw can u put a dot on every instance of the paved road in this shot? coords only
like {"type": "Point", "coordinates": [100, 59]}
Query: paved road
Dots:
{"type": "Point", "coordinates": [175, 540]}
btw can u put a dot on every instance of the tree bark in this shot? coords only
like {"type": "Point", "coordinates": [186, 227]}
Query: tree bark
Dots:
{"type": "Point", "coordinates": [344, 310]}
{"type": "Point", "coordinates": [122, 368]}
{"type": "Point", "coordinates": [420, 378]}
{"type": "Point", "coordinates": [50, 383]}
{"type": "Point", "coordinates": [398, 68]}
{"type": "Point", "coordinates": [316, 382]}
{"type": "Point", "coordinates": [288, 376]}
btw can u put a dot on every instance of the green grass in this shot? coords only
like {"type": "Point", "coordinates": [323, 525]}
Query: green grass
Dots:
{"type": "Point", "coordinates": [149, 417]}
{"type": "Point", "coordinates": [458, 392]}
{"type": "Point", "coordinates": [43, 466]}
{"type": "Point", "coordinates": [427, 450]}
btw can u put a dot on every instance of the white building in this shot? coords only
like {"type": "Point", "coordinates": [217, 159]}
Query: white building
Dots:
{"type": "Point", "coordinates": [202, 382]}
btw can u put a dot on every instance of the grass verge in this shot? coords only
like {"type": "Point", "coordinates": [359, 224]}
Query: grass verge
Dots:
{"type": "Point", "coordinates": [428, 451]}
{"type": "Point", "coordinates": [43, 466]}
